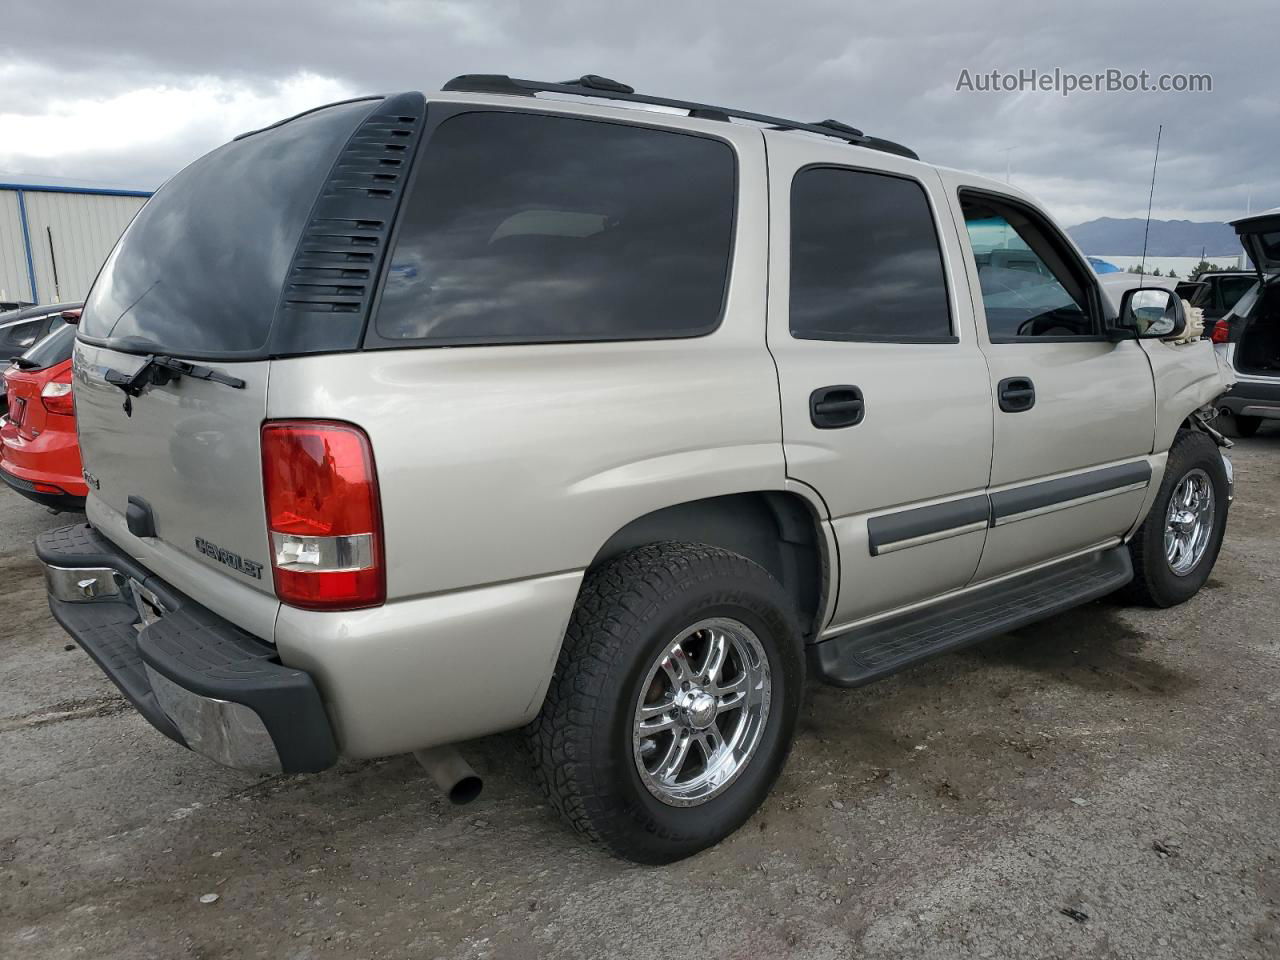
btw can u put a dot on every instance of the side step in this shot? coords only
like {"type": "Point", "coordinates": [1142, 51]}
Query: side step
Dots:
{"type": "Point", "coordinates": [875, 651]}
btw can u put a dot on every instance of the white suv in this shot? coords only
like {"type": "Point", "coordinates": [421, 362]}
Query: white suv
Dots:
{"type": "Point", "coordinates": [413, 419]}
{"type": "Point", "coordinates": [1248, 336]}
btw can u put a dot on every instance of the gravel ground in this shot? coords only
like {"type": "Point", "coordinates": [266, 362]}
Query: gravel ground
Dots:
{"type": "Point", "coordinates": [1103, 784]}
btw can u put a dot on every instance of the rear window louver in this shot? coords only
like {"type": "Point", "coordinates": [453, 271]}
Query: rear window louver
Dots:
{"type": "Point", "coordinates": [334, 273]}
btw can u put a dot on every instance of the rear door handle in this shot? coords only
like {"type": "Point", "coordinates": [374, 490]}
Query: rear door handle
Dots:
{"type": "Point", "coordinates": [1016, 394]}
{"type": "Point", "coordinates": [838, 406]}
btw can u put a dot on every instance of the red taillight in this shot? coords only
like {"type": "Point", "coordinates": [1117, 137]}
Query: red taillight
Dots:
{"type": "Point", "coordinates": [56, 395]}
{"type": "Point", "coordinates": [1220, 332]}
{"type": "Point", "coordinates": [323, 518]}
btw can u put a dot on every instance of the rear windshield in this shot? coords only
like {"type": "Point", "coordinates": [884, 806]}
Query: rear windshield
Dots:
{"type": "Point", "coordinates": [17, 337]}
{"type": "Point", "coordinates": [54, 349]}
{"type": "Point", "coordinates": [199, 272]}
{"type": "Point", "coordinates": [522, 227]}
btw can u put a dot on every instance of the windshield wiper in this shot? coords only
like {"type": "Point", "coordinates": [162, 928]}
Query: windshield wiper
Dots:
{"type": "Point", "coordinates": [158, 370]}
{"type": "Point", "coordinates": [22, 363]}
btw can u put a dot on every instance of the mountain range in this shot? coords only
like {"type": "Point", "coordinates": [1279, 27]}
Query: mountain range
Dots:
{"type": "Point", "coordinates": [1169, 238]}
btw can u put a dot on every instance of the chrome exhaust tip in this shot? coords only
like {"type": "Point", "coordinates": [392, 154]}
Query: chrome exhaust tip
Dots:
{"type": "Point", "coordinates": [451, 773]}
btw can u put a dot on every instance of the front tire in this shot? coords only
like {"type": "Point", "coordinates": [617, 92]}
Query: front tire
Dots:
{"type": "Point", "coordinates": [674, 701]}
{"type": "Point", "coordinates": [1175, 549]}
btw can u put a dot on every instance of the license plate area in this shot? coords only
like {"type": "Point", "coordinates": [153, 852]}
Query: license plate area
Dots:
{"type": "Point", "coordinates": [18, 410]}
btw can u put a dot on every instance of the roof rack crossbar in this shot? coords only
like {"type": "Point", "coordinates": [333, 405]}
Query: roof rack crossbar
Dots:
{"type": "Point", "coordinates": [604, 88]}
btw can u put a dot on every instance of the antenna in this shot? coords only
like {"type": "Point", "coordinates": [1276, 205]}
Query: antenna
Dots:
{"type": "Point", "coordinates": [1146, 231]}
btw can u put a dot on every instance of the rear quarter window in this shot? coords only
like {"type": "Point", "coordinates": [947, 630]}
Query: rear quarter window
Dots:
{"type": "Point", "coordinates": [522, 227]}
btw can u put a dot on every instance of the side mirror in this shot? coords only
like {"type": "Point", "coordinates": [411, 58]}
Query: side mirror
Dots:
{"type": "Point", "coordinates": [1152, 313]}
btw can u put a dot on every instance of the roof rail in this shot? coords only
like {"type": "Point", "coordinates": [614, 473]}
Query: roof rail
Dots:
{"type": "Point", "coordinates": [591, 85]}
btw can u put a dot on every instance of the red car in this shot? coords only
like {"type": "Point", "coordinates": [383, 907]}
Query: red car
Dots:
{"type": "Point", "coordinates": [39, 451]}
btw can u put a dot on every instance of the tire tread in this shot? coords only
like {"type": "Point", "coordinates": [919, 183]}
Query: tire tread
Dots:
{"type": "Point", "coordinates": [1147, 549]}
{"type": "Point", "coordinates": [614, 599]}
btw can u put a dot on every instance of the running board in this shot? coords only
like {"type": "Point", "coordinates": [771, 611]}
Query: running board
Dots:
{"type": "Point", "coordinates": [876, 650]}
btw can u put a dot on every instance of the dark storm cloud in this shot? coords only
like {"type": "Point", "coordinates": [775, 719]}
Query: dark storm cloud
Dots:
{"type": "Point", "coordinates": [890, 68]}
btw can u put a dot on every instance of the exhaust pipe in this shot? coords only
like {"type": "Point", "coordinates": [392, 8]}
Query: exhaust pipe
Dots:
{"type": "Point", "coordinates": [452, 774]}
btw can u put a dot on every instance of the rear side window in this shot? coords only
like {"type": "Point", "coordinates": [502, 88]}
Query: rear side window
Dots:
{"type": "Point", "coordinates": [865, 259]}
{"type": "Point", "coordinates": [200, 270]}
{"type": "Point", "coordinates": [54, 349]}
{"type": "Point", "coordinates": [524, 228]}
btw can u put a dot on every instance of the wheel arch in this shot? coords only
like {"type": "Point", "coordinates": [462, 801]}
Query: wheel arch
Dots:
{"type": "Point", "coordinates": [782, 530]}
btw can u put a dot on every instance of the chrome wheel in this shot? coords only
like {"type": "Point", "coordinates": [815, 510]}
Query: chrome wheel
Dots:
{"type": "Point", "coordinates": [1188, 525]}
{"type": "Point", "coordinates": [702, 711]}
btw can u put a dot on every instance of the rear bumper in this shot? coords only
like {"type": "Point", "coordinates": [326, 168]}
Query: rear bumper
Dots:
{"type": "Point", "coordinates": [199, 680]}
{"type": "Point", "coordinates": [1253, 398]}
{"type": "Point", "coordinates": [46, 470]}
{"type": "Point", "coordinates": [28, 488]}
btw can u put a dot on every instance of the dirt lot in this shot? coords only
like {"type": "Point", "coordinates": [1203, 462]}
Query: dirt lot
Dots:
{"type": "Point", "coordinates": [1121, 763]}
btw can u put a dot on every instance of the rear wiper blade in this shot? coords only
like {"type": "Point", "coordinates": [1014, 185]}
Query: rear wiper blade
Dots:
{"type": "Point", "coordinates": [196, 372]}
{"type": "Point", "coordinates": [22, 363]}
{"type": "Point", "coordinates": [157, 370]}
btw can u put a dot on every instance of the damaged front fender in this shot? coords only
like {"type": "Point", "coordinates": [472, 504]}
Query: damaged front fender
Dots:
{"type": "Point", "coordinates": [1187, 377]}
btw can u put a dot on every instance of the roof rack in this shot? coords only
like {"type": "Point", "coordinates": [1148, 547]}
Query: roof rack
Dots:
{"type": "Point", "coordinates": [591, 85]}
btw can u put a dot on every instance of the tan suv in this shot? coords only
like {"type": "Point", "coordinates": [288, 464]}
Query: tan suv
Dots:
{"type": "Point", "coordinates": [412, 419]}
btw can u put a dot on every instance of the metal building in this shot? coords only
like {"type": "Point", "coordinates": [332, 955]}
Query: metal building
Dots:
{"type": "Point", "coordinates": [55, 234]}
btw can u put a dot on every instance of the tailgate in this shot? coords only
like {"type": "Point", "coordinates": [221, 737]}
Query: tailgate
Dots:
{"type": "Point", "coordinates": [267, 246]}
{"type": "Point", "coordinates": [188, 452]}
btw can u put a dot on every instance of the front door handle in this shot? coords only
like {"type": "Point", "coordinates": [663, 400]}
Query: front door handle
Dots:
{"type": "Point", "coordinates": [839, 406]}
{"type": "Point", "coordinates": [1016, 394]}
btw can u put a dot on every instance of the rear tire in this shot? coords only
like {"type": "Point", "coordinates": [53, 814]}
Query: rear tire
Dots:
{"type": "Point", "coordinates": [637, 656]}
{"type": "Point", "coordinates": [1165, 574]}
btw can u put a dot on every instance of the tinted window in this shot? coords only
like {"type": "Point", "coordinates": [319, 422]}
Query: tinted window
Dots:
{"type": "Point", "coordinates": [53, 349]}
{"type": "Point", "coordinates": [200, 269]}
{"type": "Point", "coordinates": [521, 227]}
{"type": "Point", "coordinates": [1270, 244]}
{"type": "Point", "coordinates": [1232, 289]}
{"type": "Point", "coordinates": [1029, 288]}
{"type": "Point", "coordinates": [17, 337]}
{"type": "Point", "coordinates": [865, 261]}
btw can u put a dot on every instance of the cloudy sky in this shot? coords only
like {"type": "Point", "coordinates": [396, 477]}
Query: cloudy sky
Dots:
{"type": "Point", "coordinates": [130, 92]}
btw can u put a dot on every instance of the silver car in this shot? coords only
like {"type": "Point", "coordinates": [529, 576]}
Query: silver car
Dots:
{"type": "Point", "coordinates": [1249, 333]}
{"type": "Point", "coordinates": [417, 418]}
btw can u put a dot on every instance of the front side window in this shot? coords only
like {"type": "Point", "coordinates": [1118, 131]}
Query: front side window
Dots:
{"type": "Point", "coordinates": [522, 227]}
{"type": "Point", "coordinates": [1029, 288]}
{"type": "Point", "coordinates": [865, 260]}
